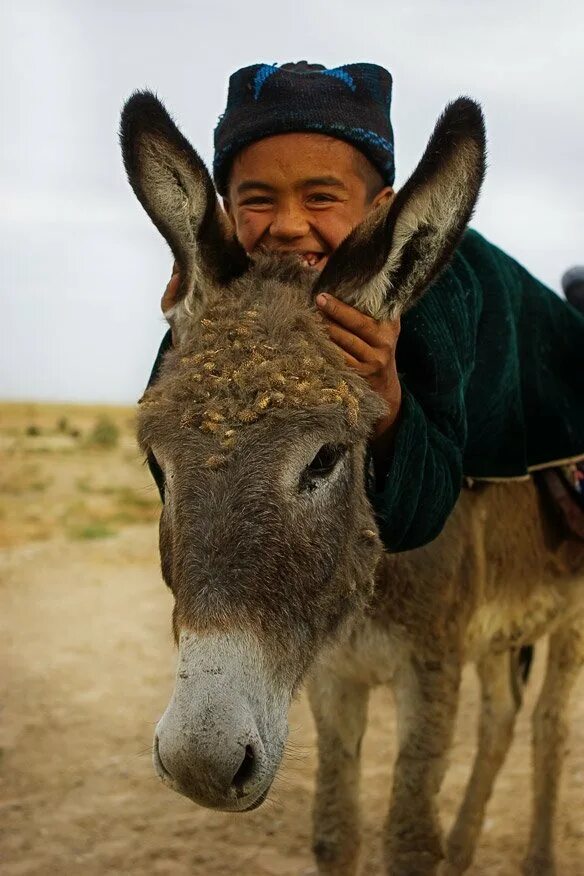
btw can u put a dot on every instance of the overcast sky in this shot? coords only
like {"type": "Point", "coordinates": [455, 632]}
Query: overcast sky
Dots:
{"type": "Point", "coordinates": [82, 269]}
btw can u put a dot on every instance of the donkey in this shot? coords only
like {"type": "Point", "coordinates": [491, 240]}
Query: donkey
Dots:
{"type": "Point", "coordinates": [257, 433]}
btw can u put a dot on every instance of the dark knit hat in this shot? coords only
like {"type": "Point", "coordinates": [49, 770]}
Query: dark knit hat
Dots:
{"type": "Point", "coordinates": [351, 103]}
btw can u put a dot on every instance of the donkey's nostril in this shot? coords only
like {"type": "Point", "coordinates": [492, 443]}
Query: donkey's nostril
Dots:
{"type": "Point", "coordinates": [245, 771]}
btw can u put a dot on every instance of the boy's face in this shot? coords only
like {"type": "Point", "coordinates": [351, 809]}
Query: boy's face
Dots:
{"type": "Point", "coordinates": [301, 193]}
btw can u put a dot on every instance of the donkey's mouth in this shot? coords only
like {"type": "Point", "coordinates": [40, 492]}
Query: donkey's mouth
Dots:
{"type": "Point", "coordinates": [261, 799]}
{"type": "Point", "coordinates": [159, 765]}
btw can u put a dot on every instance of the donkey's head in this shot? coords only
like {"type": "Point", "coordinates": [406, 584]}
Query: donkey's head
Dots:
{"type": "Point", "coordinates": [257, 431]}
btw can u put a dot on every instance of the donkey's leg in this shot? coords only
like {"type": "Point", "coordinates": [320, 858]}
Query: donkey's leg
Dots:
{"type": "Point", "coordinates": [550, 730]}
{"type": "Point", "coordinates": [500, 701]}
{"type": "Point", "coordinates": [426, 693]}
{"type": "Point", "coordinates": [339, 707]}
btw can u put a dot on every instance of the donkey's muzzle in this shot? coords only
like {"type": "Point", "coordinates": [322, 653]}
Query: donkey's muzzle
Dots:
{"type": "Point", "coordinates": [221, 738]}
{"type": "Point", "coordinates": [216, 757]}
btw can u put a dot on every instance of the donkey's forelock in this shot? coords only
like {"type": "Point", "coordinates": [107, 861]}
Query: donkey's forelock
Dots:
{"type": "Point", "coordinates": [259, 348]}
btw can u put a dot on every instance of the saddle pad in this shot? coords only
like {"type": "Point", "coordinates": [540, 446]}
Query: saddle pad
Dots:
{"type": "Point", "coordinates": [564, 488]}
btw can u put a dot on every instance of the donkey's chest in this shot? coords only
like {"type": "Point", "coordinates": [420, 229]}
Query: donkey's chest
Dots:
{"type": "Point", "coordinates": [369, 654]}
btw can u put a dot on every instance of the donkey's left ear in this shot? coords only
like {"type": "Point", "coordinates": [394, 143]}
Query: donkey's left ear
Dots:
{"type": "Point", "coordinates": [388, 261]}
{"type": "Point", "coordinates": [174, 187]}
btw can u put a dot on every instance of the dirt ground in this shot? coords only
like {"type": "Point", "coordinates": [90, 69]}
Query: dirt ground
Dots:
{"type": "Point", "coordinates": [87, 664]}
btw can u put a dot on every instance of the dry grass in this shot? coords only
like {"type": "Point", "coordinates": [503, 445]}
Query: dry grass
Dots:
{"type": "Point", "coordinates": [72, 470]}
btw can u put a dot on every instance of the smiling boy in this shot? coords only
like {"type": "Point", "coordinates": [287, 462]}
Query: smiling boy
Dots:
{"type": "Point", "coordinates": [487, 379]}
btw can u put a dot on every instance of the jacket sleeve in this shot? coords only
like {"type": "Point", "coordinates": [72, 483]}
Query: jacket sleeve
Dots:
{"type": "Point", "coordinates": [165, 345]}
{"type": "Point", "coordinates": [155, 469]}
{"type": "Point", "coordinates": [416, 491]}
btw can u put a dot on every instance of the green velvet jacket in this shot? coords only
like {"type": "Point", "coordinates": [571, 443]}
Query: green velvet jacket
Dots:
{"type": "Point", "coordinates": [491, 364]}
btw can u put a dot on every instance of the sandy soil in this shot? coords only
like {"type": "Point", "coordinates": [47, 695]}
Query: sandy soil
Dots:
{"type": "Point", "coordinates": [87, 666]}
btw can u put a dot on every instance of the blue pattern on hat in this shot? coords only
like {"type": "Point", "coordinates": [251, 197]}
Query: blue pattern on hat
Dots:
{"type": "Point", "coordinates": [365, 135]}
{"type": "Point", "coordinates": [264, 73]}
{"type": "Point", "coordinates": [341, 74]}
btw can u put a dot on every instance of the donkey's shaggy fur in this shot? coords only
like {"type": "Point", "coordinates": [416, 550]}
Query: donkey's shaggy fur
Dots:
{"type": "Point", "coordinates": [269, 543]}
{"type": "Point", "coordinates": [258, 348]}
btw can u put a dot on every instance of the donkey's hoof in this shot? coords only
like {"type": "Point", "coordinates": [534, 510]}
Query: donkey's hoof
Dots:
{"type": "Point", "coordinates": [332, 860]}
{"type": "Point", "coordinates": [449, 868]}
{"type": "Point", "coordinates": [415, 864]}
{"type": "Point", "coordinates": [458, 860]}
{"type": "Point", "coordinates": [538, 865]}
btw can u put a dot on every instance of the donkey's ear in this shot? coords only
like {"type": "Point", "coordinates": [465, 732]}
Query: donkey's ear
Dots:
{"type": "Point", "coordinates": [174, 187]}
{"type": "Point", "coordinates": [389, 260]}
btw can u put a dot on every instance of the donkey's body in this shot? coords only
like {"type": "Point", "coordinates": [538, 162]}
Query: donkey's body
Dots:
{"type": "Point", "coordinates": [257, 431]}
{"type": "Point", "coordinates": [497, 578]}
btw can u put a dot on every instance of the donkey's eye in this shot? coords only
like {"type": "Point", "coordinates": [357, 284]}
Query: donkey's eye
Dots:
{"type": "Point", "coordinates": [321, 466]}
{"type": "Point", "coordinates": [156, 472]}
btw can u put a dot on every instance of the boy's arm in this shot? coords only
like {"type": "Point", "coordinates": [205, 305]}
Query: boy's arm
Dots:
{"type": "Point", "coordinates": [415, 462]}
{"type": "Point", "coordinates": [415, 488]}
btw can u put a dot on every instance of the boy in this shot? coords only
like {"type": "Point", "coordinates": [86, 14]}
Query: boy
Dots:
{"type": "Point", "coordinates": [486, 381]}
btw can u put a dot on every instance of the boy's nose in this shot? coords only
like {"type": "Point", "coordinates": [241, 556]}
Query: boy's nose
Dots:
{"type": "Point", "coordinates": [289, 223]}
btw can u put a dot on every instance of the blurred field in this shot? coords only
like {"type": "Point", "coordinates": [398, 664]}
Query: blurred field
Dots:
{"type": "Point", "coordinates": [86, 669]}
{"type": "Point", "coordinates": [72, 471]}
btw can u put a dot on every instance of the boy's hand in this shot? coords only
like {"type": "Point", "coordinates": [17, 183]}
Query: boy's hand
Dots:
{"type": "Point", "coordinates": [368, 346]}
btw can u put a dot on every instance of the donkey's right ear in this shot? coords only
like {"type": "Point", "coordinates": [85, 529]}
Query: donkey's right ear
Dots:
{"type": "Point", "coordinates": [387, 262]}
{"type": "Point", "coordinates": [174, 187]}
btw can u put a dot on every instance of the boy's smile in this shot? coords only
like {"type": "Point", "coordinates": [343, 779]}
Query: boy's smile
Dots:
{"type": "Point", "coordinates": [301, 193]}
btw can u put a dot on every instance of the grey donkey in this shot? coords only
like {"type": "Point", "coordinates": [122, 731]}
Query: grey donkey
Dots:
{"type": "Point", "coordinates": [258, 433]}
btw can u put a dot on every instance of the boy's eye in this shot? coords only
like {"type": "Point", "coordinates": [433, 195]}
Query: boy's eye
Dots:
{"type": "Point", "coordinates": [321, 198]}
{"type": "Point", "coordinates": [258, 200]}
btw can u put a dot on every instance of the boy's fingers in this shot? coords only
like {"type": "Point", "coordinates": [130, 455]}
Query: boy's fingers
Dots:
{"type": "Point", "coordinates": [368, 329]}
{"type": "Point", "coordinates": [350, 360]}
{"type": "Point", "coordinates": [345, 315]}
{"type": "Point", "coordinates": [349, 342]}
